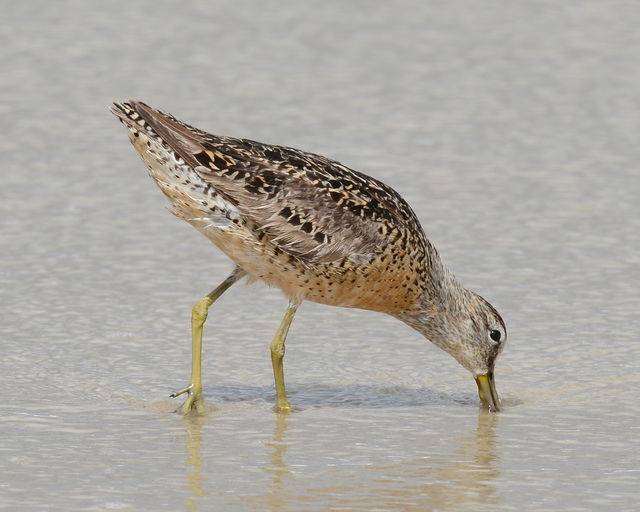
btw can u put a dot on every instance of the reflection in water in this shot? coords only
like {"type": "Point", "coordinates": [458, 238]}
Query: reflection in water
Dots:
{"type": "Point", "coordinates": [276, 499]}
{"type": "Point", "coordinates": [462, 480]}
{"type": "Point", "coordinates": [196, 481]}
{"type": "Point", "coordinates": [279, 471]}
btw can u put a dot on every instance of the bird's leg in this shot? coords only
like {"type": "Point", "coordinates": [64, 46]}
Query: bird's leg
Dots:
{"type": "Point", "coordinates": [199, 314]}
{"type": "Point", "coordinates": [277, 356]}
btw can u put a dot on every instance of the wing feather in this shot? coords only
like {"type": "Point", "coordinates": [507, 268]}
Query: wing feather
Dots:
{"type": "Point", "coordinates": [307, 205]}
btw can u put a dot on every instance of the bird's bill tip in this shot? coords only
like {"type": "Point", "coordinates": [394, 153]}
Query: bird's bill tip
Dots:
{"type": "Point", "coordinates": [487, 391]}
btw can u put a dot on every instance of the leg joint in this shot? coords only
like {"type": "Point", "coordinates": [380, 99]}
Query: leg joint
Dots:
{"type": "Point", "coordinates": [277, 350]}
{"type": "Point", "coordinates": [200, 310]}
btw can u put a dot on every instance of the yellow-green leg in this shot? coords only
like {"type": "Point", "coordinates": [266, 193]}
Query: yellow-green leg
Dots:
{"type": "Point", "coordinates": [199, 313]}
{"type": "Point", "coordinates": [277, 356]}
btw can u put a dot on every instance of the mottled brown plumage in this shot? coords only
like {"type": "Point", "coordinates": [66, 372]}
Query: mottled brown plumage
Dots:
{"type": "Point", "coordinates": [315, 229]}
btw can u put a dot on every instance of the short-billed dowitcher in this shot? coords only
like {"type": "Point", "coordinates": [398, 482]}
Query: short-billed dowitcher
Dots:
{"type": "Point", "coordinates": [317, 230]}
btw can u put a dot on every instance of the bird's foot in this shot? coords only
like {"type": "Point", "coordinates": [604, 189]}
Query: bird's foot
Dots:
{"type": "Point", "coordinates": [194, 401]}
{"type": "Point", "coordinates": [283, 407]}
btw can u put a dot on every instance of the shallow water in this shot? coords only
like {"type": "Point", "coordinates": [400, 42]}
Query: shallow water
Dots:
{"type": "Point", "coordinates": [510, 128]}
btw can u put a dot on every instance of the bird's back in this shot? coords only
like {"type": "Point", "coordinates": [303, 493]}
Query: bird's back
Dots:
{"type": "Point", "coordinates": [302, 222]}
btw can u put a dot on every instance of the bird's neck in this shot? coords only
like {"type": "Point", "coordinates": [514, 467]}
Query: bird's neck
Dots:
{"type": "Point", "coordinates": [438, 316]}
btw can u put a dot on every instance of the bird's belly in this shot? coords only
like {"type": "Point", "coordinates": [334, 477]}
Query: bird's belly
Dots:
{"type": "Point", "coordinates": [373, 286]}
{"type": "Point", "coordinates": [362, 288]}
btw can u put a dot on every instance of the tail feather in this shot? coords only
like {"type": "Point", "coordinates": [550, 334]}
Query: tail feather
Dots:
{"type": "Point", "coordinates": [185, 140]}
{"type": "Point", "coordinates": [167, 147]}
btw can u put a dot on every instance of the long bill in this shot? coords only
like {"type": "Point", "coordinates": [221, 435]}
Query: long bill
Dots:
{"type": "Point", "coordinates": [487, 391]}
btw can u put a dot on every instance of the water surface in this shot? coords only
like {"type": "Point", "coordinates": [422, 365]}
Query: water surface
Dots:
{"type": "Point", "coordinates": [510, 128]}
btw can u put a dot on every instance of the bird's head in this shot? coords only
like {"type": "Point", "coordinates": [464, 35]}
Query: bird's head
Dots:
{"type": "Point", "coordinates": [467, 326]}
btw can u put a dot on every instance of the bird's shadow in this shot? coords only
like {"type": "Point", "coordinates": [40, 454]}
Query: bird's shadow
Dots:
{"type": "Point", "coordinates": [307, 395]}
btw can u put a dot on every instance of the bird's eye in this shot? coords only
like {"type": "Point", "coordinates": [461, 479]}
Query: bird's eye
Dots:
{"type": "Point", "coordinates": [495, 335]}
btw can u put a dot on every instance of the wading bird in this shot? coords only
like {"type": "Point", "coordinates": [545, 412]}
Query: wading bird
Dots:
{"type": "Point", "coordinates": [316, 230]}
